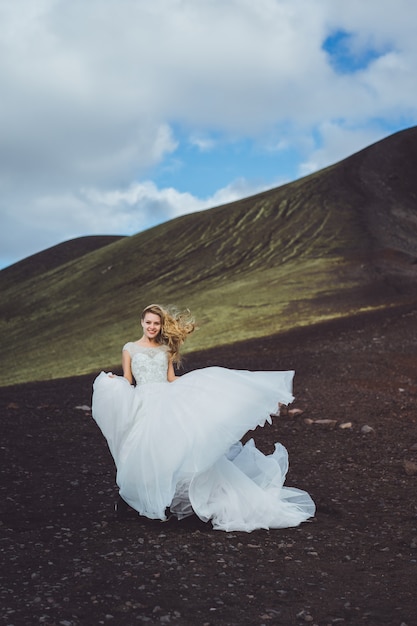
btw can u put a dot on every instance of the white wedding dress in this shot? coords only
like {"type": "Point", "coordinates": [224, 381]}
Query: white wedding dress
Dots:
{"type": "Point", "coordinates": [177, 444]}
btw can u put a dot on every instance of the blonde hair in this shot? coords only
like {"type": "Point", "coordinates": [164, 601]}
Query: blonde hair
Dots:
{"type": "Point", "coordinates": [175, 327]}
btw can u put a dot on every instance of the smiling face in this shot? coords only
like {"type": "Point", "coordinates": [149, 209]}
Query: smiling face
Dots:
{"type": "Point", "coordinates": [151, 324]}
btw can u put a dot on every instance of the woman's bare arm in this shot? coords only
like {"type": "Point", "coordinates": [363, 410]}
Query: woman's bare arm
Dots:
{"type": "Point", "coordinates": [126, 364]}
{"type": "Point", "coordinates": [171, 374]}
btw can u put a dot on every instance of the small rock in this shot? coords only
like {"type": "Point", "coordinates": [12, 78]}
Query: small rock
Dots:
{"type": "Point", "coordinates": [83, 407]}
{"type": "Point", "coordinates": [410, 468]}
{"type": "Point", "coordinates": [323, 422]}
{"type": "Point", "coordinates": [345, 425]}
{"type": "Point", "coordinates": [366, 430]}
{"type": "Point", "coordinates": [305, 616]}
{"type": "Point", "coordinates": [414, 447]}
{"type": "Point", "coordinates": [294, 412]}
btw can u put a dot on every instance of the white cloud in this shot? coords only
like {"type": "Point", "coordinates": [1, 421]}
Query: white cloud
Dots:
{"type": "Point", "coordinates": [202, 143]}
{"type": "Point", "coordinates": [93, 94]}
{"type": "Point", "coordinates": [144, 204]}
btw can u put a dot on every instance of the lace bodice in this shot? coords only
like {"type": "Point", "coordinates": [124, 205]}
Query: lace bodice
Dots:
{"type": "Point", "coordinates": [149, 365]}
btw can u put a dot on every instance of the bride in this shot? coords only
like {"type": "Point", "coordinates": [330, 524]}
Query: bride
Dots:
{"type": "Point", "coordinates": [175, 440]}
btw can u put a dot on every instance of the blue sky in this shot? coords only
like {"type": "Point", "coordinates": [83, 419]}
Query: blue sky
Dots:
{"type": "Point", "coordinates": [343, 55]}
{"type": "Point", "coordinates": [117, 115]}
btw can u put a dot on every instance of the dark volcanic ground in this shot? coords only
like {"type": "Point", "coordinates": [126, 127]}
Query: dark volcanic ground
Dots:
{"type": "Point", "coordinates": [66, 559]}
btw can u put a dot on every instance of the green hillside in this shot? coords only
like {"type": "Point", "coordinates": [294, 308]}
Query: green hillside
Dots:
{"type": "Point", "coordinates": [329, 245]}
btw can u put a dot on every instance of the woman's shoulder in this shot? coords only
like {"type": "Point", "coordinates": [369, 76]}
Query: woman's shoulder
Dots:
{"type": "Point", "coordinates": [130, 346]}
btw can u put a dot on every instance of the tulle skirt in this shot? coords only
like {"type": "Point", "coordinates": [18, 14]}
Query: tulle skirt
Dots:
{"type": "Point", "coordinates": [177, 445]}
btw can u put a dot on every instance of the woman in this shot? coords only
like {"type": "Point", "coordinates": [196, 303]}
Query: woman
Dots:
{"type": "Point", "coordinates": [175, 440]}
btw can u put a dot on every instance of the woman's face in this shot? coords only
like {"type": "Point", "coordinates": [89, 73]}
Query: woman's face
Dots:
{"type": "Point", "coordinates": [151, 325]}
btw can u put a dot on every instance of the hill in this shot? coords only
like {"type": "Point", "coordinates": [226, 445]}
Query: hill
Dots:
{"type": "Point", "coordinates": [53, 257]}
{"type": "Point", "coordinates": [334, 244]}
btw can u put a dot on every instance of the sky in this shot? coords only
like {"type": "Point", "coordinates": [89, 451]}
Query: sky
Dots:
{"type": "Point", "coordinates": [118, 115]}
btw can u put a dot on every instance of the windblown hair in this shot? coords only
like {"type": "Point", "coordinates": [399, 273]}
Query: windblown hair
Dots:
{"type": "Point", "coordinates": [175, 326]}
